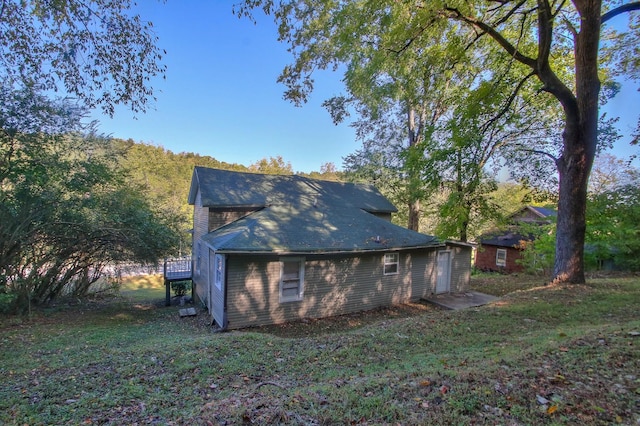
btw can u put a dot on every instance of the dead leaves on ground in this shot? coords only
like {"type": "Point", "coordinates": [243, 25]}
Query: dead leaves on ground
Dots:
{"type": "Point", "coordinates": [553, 388]}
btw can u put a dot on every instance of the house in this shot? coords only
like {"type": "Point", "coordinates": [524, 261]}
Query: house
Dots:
{"type": "Point", "coordinates": [270, 249]}
{"type": "Point", "coordinates": [501, 250]}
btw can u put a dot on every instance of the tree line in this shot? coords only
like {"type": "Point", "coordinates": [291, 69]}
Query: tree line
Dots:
{"type": "Point", "coordinates": [449, 88]}
{"type": "Point", "coordinates": [73, 203]}
{"type": "Point", "coordinates": [444, 94]}
{"type": "Point", "coordinates": [68, 207]}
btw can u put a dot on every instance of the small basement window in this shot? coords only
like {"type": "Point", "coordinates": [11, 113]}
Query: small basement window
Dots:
{"type": "Point", "coordinates": [391, 261]}
{"type": "Point", "coordinates": [501, 257]}
{"type": "Point", "coordinates": [291, 279]}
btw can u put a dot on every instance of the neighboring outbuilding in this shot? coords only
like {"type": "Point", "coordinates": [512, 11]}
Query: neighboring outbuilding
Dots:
{"type": "Point", "coordinates": [270, 249]}
{"type": "Point", "coordinates": [501, 250]}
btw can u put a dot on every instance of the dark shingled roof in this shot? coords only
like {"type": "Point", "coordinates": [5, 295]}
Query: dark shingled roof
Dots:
{"type": "Point", "coordinates": [504, 239]}
{"type": "Point", "coordinates": [300, 215]}
{"type": "Point", "coordinates": [543, 212]}
{"type": "Point", "coordinates": [512, 237]}
{"type": "Point", "coordinates": [229, 189]}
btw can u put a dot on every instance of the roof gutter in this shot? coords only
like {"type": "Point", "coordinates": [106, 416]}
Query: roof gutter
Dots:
{"type": "Point", "coordinates": [330, 252]}
{"type": "Point", "coordinates": [460, 243]}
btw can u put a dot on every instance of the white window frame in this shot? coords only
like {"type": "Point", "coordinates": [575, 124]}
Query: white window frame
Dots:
{"type": "Point", "coordinates": [391, 263]}
{"type": "Point", "coordinates": [198, 257]}
{"type": "Point", "coordinates": [287, 281]}
{"type": "Point", "coordinates": [501, 257]}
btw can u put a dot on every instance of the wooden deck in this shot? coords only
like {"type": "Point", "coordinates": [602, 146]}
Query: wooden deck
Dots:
{"type": "Point", "coordinates": [176, 270]}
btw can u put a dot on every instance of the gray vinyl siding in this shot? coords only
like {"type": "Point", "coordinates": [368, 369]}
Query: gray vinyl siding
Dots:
{"type": "Point", "coordinates": [386, 216]}
{"type": "Point", "coordinates": [201, 280]}
{"type": "Point", "coordinates": [460, 267]}
{"type": "Point", "coordinates": [219, 218]}
{"type": "Point", "coordinates": [332, 286]}
{"type": "Point", "coordinates": [423, 273]}
{"type": "Point", "coordinates": [200, 219]}
{"type": "Point", "coordinates": [200, 228]}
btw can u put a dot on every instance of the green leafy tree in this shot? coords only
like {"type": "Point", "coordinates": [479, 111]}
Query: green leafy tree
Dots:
{"type": "Point", "coordinates": [382, 166]}
{"type": "Point", "coordinates": [328, 171]}
{"type": "Point", "coordinates": [404, 95]}
{"type": "Point", "coordinates": [272, 166]}
{"type": "Point", "coordinates": [556, 44]}
{"type": "Point", "coordinates": [483, 127]}
{"type": "Point", "coordinates": [426, 117]}
{"type": "Point", "coordinates": [613, 214]}
{"type": "Point", "coordinates": [66, 209]}
{"type": "Point", "coordinates": [165, 178]}
{"type": "Point", "coordinates": [96, 50]}
{"type": "Point", "coordinates": [534, 35]}
{"type": "Point", "coordinates": [539, 252]}
{"type": "Point", "coordinates": [400, 93]}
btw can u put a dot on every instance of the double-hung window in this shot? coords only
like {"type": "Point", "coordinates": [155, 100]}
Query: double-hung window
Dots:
{"type": "Point", "coordinates": [291, 279]}
{"type": "Point", "coordinates": [391, 262]}
{"type": "Point", "coordinates": [501, 257]}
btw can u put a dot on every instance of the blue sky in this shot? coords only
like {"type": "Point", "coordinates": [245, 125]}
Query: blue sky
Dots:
{"type": "Point", "coordinates": [220, 97]}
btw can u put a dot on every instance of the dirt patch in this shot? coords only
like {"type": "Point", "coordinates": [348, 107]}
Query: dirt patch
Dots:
{"type": "Point", "coordinates": [342, 323]}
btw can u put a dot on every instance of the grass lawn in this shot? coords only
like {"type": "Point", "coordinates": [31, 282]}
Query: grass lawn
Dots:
{"type": "Point", "coordinates": [549, 355]}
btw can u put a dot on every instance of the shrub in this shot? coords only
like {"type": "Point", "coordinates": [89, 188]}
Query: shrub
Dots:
{"type": "Point", "coordinates": [180, 288]}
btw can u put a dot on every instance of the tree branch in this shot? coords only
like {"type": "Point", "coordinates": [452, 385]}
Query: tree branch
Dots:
{"type": "Point", "coordinates": [421, 29]}
{"type": "Point", "coordinates": [507, 104]}
{"type": "Point", "coordinates": [539, 152]}
{"type": "Point", "coordinates": [509, 13]}
{"type": "Point", "coordinates": [545, 33]}
{"type": "Point", "coordinates": [494, 34]}
{"type": "Point", "coordinates": [620, 10]}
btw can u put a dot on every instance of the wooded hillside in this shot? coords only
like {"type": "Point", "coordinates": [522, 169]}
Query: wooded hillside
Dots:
{"type": "Point", "coordinates": [167, 175]}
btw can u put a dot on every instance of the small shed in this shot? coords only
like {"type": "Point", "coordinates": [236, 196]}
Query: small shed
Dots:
{"type": "Point", "coordinates": [501, 249]}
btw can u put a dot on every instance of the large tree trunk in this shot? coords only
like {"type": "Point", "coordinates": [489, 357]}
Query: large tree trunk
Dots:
{"type": "Point", "coordinates": [415, 181]}
{"type": "Point", "coordinates": [581, 113]}
{"type": "Point", "coordinates": [414, 216]}
{"type": "Point", "coordinates": [573, 170]}
{"type": "Point", "coordinates": [579, 147]}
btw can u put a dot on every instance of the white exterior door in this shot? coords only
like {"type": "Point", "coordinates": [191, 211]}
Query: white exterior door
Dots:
{"type": "Point", "coordinates": [217, 287]}
{"type": "Point", "coordinates": [443, 282]}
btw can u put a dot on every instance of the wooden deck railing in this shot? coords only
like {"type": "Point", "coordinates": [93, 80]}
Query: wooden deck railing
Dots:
{"type": "Point", "coordinates": [177, 269]}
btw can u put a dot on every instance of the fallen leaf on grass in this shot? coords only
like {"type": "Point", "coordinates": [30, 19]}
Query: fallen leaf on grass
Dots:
{"type": "Point", "coordinates": [552, 409]}
{"type": "Point", "coordinates": [542, 400]}
{"type": "Point", "coordinates": [558, 379]}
